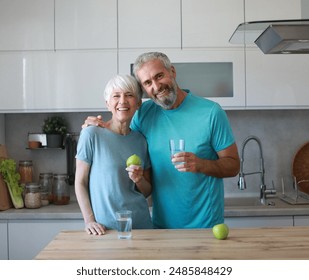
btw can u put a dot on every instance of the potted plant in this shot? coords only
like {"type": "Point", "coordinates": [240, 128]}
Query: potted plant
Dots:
{"type": "Point", "coordinates": [55, 128]}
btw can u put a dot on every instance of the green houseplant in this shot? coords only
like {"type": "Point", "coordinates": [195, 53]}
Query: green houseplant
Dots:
{"type": "Point", "coordinates": [55, 128]}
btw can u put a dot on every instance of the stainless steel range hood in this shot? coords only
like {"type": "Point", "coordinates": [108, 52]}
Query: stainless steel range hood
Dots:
{"type": "Point", "coordinates": [275, 37]}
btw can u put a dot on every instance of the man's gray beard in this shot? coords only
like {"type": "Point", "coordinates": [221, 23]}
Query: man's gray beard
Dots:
{"type": "Point", "coordinates": [169, 101]}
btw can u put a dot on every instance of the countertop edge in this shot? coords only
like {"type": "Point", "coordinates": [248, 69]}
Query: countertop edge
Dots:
{"type": "Point", "coordinates": [72, 211]}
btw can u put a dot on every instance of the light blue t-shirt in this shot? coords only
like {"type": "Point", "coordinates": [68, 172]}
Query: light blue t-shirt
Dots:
{"type": "Point", "coordinates": [184, 199]}
{"type": "Point", "coordinates": [110, 187]}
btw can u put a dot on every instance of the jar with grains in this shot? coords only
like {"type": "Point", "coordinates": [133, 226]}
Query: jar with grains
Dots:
{"type": "Point", "coordinates": [25, 170]}
{"type": "Point", "coordinates": [46, 183]}
{"type": "Point", "coordinates": [32, 195]}
{"type": "Point", "coordinates": [61, 189]}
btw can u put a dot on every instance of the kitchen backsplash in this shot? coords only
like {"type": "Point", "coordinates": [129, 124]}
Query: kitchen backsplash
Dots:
{"type": "Point", "coordinates": [2, 134]}
{"type": "Point", "coordinates": [282, 133]}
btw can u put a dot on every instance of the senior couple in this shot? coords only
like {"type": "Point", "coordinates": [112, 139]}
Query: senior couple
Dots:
{"type": "Point", "coordinates": [186, 195]}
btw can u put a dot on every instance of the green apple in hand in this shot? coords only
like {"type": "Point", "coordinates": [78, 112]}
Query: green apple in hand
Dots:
{"type": "Point", "coordinates": [220, 231]}
{"type": "Point", "coordinates": [134, 160]}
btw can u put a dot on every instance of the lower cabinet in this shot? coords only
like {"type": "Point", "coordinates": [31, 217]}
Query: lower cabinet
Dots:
{"type": "Point", "coordinates": [265, 221]}
{"type": "Point", "coordinates": [28, 237]}
{"type": "Point", "coordinates": [4, 254]}
{"type": "Point", "coordinates": [301, 220]}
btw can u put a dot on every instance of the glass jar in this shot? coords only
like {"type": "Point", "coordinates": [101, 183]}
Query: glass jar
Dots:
{"type": "Point", "coordinates": [25, 170]}
{"type": "Point", "coordinates": [32, 195]}
{"type": "Point", "coordinates": [46, 183]}
{"type": "Point", "coordinates": [61, 189]}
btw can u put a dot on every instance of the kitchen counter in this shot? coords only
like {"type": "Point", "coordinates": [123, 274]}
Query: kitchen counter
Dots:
{"type": "Point", "coordinates": [72, 211]}
{"type": "Point", "coordinates": [40, 226]}
{"type": "Point", "coordinates": [274, 207]}
{"type": "Point", "coordinates": [51, 211]}
{"type": "Point", "coordinates": [249, 244]}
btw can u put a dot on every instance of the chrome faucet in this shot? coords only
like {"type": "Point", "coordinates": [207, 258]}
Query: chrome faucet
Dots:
{"type": "Point", "coordinates": [261, 171]}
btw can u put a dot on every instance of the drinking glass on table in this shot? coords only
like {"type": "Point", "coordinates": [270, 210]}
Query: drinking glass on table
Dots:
{"type": "Point", "coordinates": [177, 146]}
{"type": "Point", "coordinates": [124, 224]}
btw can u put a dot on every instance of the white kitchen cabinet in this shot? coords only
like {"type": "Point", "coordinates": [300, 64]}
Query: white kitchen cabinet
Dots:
{"type": "Point", "coordinates": [27, 25]}
{"type": "Point", "coordinates": [265, 10]}
{"type": "Point", "coordinates": [301, 221]}
{"type": "Point", "coordinates": [81, 78]}
{"type": "Point", "coordinates": [85, 24]}
{"type": "Point", "coordinates": [273, 80]}
{"type": "Point", "coordinates": [265, 221]}
{"type": "Point", "coordinates": [272, 10]}
{"type": "Point", "coordinates": [55, 81]}
{"type": "Point", "coordinates": [28, 237]}
{"type": "Point", "coordinates": [149, 24]}
{"type": "Point", "coordinates": [276, 81]}
{"type": "Point", "coordinates": [3, 240]}
{"type": "Point", "coordinates": [210, 23]}
{"type": "Point", "coordinates": [13, 80]}
{"type": "Point", "coordinates": [235, 56]}
{"type": "Point", "coordinates": [268, 10]}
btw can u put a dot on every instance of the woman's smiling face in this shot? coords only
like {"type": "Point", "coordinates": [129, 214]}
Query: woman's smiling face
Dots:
{"type": "Point", "coordinates": [122, 104]}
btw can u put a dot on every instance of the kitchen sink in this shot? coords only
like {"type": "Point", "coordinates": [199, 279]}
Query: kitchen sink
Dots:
{"type": "Point", "coordinates": [252, 202]}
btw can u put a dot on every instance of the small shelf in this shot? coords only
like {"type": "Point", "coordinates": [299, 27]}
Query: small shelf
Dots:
{"type": "Point", "coordinates": [46, 148]}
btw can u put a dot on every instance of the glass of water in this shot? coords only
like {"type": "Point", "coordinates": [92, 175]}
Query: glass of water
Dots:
{"type": "Point", "coordinates": [177, 146]}
{"type": "Point", "coordinates": [124, 224]}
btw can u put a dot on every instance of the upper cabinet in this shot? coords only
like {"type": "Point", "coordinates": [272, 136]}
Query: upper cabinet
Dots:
{"type": "Point", "coordinates": [57, 55]}
{"type": "Point", "coordinates": [272, 9]}
{"type": "Point", "coordinates": [55, 81]}
{"type": "Point", "coordinates": [149, 24]}
{"type": "Point", "coordinates": [210, 23]}
{"type": "Point", "coordinates": [26, 25]}
{"type": "Point", "coordinates": [275, 80]}
{"type": "Point", "coordinates": [58, 24]}
{"type": "Point", "coordinates": [85, 24]}
{"type": "Point", "coordinates": [35, 77]}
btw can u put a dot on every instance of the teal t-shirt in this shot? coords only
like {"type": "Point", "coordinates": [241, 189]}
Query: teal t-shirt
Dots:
{"type": "Point", "coordinates": [184, 199]}
{"type": "Point", "coordinates": [110, 187]}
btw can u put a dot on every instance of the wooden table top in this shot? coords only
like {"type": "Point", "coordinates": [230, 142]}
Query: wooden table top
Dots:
{"type": "Point", "coordinates": [191, 244]}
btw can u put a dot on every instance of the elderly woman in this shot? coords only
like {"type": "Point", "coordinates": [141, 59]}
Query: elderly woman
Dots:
{"type": "Point", "coordinates": [103, 183]}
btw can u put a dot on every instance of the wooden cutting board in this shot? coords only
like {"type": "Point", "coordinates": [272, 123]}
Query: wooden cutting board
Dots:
{"type": "Point", "coordinates": [5, 198]}
{"type": "Point", "coordinates": [300, 168]}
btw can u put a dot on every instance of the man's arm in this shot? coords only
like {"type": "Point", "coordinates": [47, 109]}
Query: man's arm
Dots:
{"type": "Point", "coordinates": [227, 165]}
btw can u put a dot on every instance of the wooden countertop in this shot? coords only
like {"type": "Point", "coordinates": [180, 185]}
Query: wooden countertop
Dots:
{"type": "Point", "coordinates": [248, 244]}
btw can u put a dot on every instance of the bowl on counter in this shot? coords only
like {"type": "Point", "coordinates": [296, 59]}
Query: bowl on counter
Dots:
{"type": "Point", "coordinates": [34, 144]}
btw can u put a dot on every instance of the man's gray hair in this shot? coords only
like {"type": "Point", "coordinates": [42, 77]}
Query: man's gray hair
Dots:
{"type": "Point", "coordinates": [145, 57]}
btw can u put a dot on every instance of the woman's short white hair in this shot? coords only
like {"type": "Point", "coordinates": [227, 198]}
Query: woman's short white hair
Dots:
{"type": "Point", "coordinates": [126, 83]}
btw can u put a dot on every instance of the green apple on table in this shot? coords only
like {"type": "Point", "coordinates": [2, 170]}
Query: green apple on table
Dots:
{"type": "Point", "coordinates": [220, 231]}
